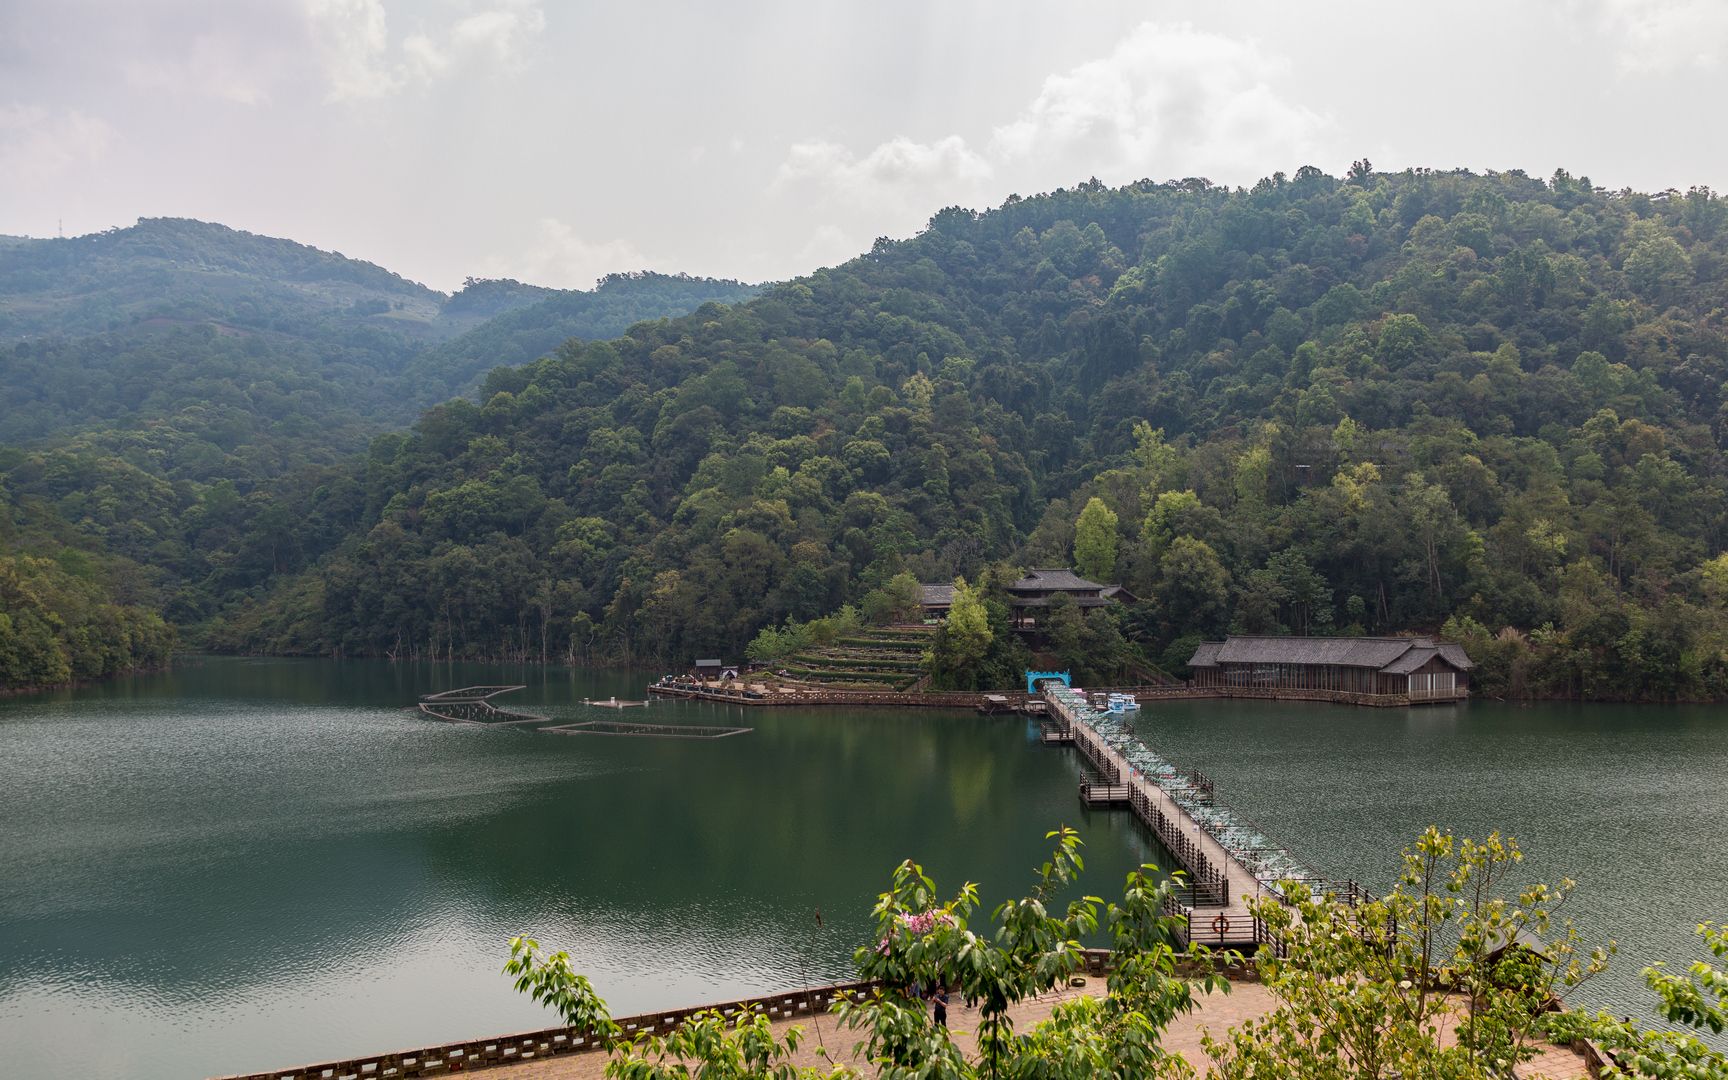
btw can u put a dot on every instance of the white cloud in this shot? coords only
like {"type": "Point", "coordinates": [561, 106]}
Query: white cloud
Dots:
{"type": "Point", "coordinates": [898, 163]}
{"type": "Point", "coordinates": [354, 40]}
{"type": "Point", "coordinates": [1657, 35]}
{"type": "Point", "coordinates": [896, 184]}
{"type": "Point", "coordinates": [1167, 102]}
{"type": "Point", "coordinates": [38, 144]}
{"type": "Point", "coordinates": [211, 64]}
{"type": "Point", "coordinates": [829, 245]}
{"type": "Point", "coordinates": [359, 61]}
{"type": "Point", "coordinates": [562, 259]}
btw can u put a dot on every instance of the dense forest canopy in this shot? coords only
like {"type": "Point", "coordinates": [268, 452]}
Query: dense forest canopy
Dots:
{"type": "Point", "coordinates": [1489, 403]}
{"type": "Point", "coordinates": [169, 391]}
{"type": "Point", "coordinates": [1485, 404]}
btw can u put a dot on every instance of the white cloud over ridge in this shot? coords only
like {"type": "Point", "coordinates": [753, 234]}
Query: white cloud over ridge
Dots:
{"type": "Point", "coordinates": [896, 166]}
{"type": "Point", "coordinates": [561, 258]}
{"type": "Point", "coordinates": [1168, 101]}
{"type": "Point", "coordinates": [359, 61]}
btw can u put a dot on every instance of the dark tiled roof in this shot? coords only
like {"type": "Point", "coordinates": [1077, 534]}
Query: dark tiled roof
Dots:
{"type": "Point", "coordinates": [710, 663]}
{"type": "Point", "coordinates": [1395, 656]}
{"type": "Point", "coordinates": [1056, 580]}
{"type": "Point", "coordinates": [1079, 601]}
{"type": "Point", "coordinates": [1454, 654]}
{"type": "Point", "coordinates": [936, 595]}
{"type": "Point", "coordinates": [1121, 595]}
{"type": "Point", "coordinates": [1345, 652]}
{"type": "Point", "coordinates": [1410, 661]}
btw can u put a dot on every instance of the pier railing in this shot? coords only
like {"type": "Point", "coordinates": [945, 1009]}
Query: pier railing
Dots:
{"type": "Point", "coordinates": [1209, 882]}
{"type": "Point", "coordinates": [1263, 867]}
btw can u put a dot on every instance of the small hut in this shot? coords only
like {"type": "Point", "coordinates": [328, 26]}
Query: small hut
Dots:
{"type": "Point", "coordinates": [709, 670]}
{"type": "Point", "coordinates": [934, 601]}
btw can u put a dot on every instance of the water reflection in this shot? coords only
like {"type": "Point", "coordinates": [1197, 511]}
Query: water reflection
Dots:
{"type": "Point", "coordinates": [248, 864]}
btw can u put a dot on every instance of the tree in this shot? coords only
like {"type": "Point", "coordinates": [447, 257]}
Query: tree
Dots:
{"type": "Point", "coordinates": [1365, 989]}
{"type": "Point", "coordinates": [1455, 973]}
{"type": "Point", "coordinates": [1698, 1000]}
{"type": "Point", "coordinates": [1095, 541]}
{"type": "Point", "coordinates": [962, 642]}
{"type": "Point", "coordinates": [1193, 588]}
{"type": "Point", "coordinates": [896, 600]}
{"type": "Point", "coordinates": [925, 940]}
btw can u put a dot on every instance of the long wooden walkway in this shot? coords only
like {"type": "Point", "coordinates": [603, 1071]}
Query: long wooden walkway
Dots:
{"type": "Point", "coordinates": [1220, 886]}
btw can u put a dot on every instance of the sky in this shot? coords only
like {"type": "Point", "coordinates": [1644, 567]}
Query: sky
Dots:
{"type": "Point", "coordinates": [554, 142]}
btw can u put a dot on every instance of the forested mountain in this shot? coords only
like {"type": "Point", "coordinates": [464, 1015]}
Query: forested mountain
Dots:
{"type": "Point", "coordinates": [140, 325]}
{"type": "Point", "coordinates": [1375, 404]}
{"type": "Point", "coordinates": [530, 332]}
{"type": "Point", "coordinates": [165, 389]}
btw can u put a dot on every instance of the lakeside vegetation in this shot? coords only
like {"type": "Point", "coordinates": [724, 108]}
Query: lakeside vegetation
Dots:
{"type": "Point", "coordinates": [1419, 983]}
{"type": "Point", "coordinates": [1484, 405]}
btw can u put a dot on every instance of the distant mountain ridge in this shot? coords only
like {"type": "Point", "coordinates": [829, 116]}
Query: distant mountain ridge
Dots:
{"type": "Point", "coordinates": [175, 300]}
{"type": "Point", "coordinates": [157, 381]}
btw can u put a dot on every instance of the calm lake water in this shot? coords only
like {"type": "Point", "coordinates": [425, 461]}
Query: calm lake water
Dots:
{"type": "Point", "coordinates": [251, 864]}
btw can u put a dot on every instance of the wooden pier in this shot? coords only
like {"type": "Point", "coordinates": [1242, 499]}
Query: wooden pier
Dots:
{"type": "Point", "coordinates": [1215, 901]}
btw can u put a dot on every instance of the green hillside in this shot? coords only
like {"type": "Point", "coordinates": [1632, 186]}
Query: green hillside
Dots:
{"type": "Point", "coordinates": [528, 332]}
{"type": "Point", "coordinates": [175, 396]}
{"type": "Point", "coordinates": [1387, 402]}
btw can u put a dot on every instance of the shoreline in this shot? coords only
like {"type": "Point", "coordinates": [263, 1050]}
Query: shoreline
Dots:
{"type": "Point", "coordinates": [560, 1053]}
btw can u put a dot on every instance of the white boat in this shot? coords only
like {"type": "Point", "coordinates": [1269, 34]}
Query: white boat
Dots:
{"type": "Point", "coordinates": [1123, 703]}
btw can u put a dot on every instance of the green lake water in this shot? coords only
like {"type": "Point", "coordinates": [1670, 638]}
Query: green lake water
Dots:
{"type": "Point", "coordinates": [250, 864]}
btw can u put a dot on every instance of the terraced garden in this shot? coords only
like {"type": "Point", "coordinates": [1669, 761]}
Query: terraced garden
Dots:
{"type": "Point", "coordinates": [886, 658]}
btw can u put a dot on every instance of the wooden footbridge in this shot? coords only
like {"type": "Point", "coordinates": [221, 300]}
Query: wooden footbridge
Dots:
{"type": "Point", "coordinates": [1220, 884]}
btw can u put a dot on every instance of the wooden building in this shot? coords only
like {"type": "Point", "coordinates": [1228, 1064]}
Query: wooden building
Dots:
{"type": "Point", "coordinates": [1369, 670]}
{"type": "Point", "coordinates": [935, 600]}
{"type": "Point", "coordinates": [1032, 593]}
{"type": "Point", "coordinates": [714, 670]}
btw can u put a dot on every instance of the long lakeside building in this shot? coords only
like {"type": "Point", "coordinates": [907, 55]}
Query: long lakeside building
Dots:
{"type": "Point", "coordinates": [1391, 669]}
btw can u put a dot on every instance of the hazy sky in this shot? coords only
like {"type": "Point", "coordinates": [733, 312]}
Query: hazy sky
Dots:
{"type": "Point", "coordinates": [555, 142]}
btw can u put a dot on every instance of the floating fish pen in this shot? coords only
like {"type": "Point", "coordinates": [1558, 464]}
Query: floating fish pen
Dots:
{"type": "Point", "coordinates": [473, 705]}
{"type": "Point", "coordinates": [650, 731]}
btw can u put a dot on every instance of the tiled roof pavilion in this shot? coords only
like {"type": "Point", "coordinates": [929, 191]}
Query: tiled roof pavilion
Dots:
{"type": "Point", "coordinates": [1357, 670]}
{"type": "Point", "coordinates": [1392, 655]}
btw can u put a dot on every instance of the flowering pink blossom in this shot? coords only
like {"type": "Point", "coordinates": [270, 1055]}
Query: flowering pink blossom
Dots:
{"type": "Point", "coordinates": [921, 923]}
